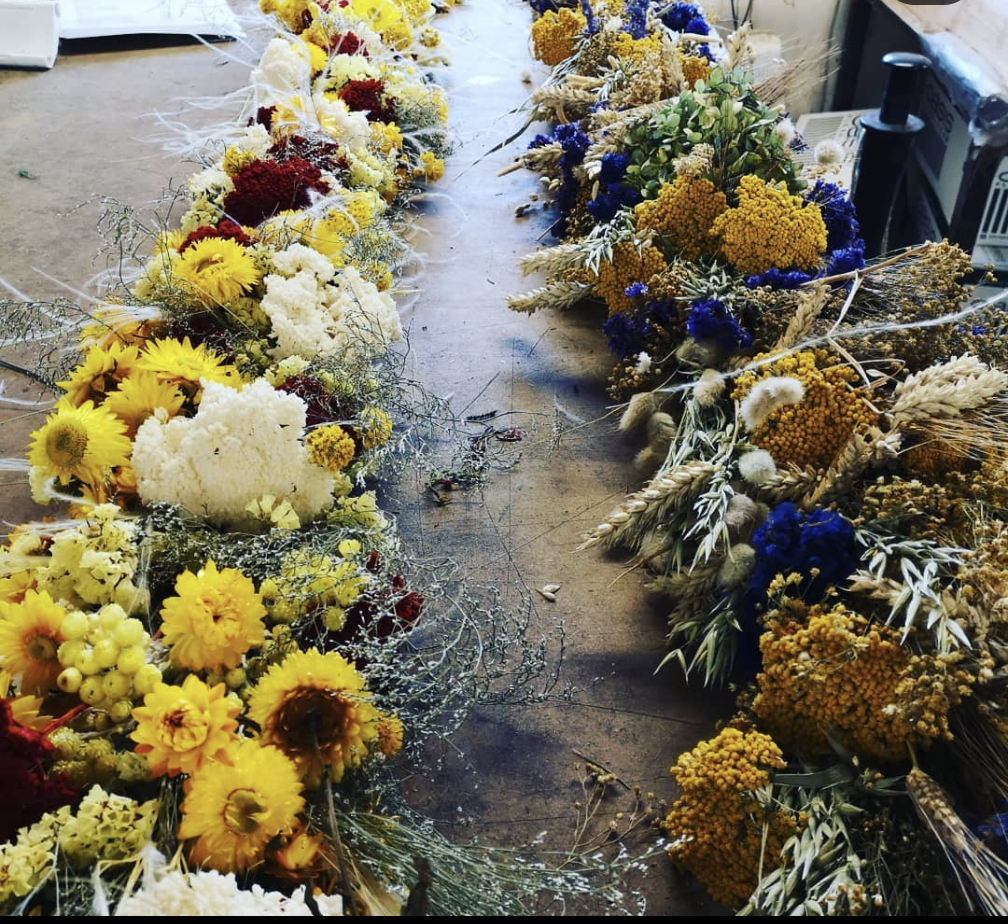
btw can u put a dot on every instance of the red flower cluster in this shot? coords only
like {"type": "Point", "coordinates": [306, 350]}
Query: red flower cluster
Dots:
{"type": "Point", "coordinates": [29, 791]}
{"type": "Point", "coordinates": [317, 150]}
{"type": "Point", "coordinates": [202, 329]}
{"type": "Point", "coordinates": [226, 228]}
{"type": "Point", "coordinates": [368, 96]}
{"type": "Point", "coordinates": [322, 405]}
{"type": "Point", "coordinates": [362, 617]}
{"type": "Point", "coordinates": [346, 43]}
{"type": "Point", "coordinates": [264, 187]}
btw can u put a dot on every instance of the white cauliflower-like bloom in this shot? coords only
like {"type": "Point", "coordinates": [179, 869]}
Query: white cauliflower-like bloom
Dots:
{"type": "Point", "coordinates": [757, 466]}
{"type": "Point", "coordinates": [172, 893]}
{"type": "Point", "coordinates": [315, 312]}
{"type": "Point", "coordinates": [284, 69]}
{"type": "Point", "coordinates": [240, 446]}
{"type": "Point", "coordinates": [351, 129]}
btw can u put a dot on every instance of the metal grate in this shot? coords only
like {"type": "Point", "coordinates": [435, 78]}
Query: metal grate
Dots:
{"type": "Point", "coordinates": [994, 224]}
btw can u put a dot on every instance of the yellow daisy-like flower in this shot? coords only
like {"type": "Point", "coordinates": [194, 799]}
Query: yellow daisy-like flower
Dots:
{"type": "Point", "coordinates": [218, 270]}
{"type": "Point", "coordinates": [231, 813]}
{"type": "Point", "coordinates": [216, 617]}
{"type": "Point", "coordinates": [390, 735]}
{"type": "Point", "coordinates": [182, 364]}
{"type": "Point", "coordinates": [139, 396]}
{"type": "Point", "coordinates": [316, 709]}
{"type": "Point", "coordinates": [79, 442]}
{"type": "Point", "coordinates": [99, 372]}
{"type": "Point", "coordinates": [30, 637]}
{"type": "Point", "coordinates": [330, 447]}
{"type": "Point", "coordinates": [181, 728]}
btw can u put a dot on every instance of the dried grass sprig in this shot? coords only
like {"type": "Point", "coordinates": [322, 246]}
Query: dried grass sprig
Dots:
{"type": "Point", "coordinates": [946, 390]}
{"type": "Point", "coordinates": [629, 522]}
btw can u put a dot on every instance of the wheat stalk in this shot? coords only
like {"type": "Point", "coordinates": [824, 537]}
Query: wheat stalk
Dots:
{"type": "Point", "coordinates": [946, 390]}
{"type": "Point", "coordinates": [982, 874]}
{"type": "Point", "coordinates": [672, 489]}
{"type": "Point", "coordinates": [862, 450]}
{"type": "Point", "coordinates": [557, 295]}
{"type": "Point", "coordinates": [553, 260]}
{"type": "Point", "coordinates": [789, 485]}
{"type": "Point", "coordinates": [810, 305]}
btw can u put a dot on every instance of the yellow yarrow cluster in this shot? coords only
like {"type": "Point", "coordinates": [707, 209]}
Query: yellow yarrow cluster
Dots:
{"type": "Point", "coordinates": [770, 227]}
{"type": "Point", "coordinates": [627, 267]}
{"type": "Point", "coordinates": [553, 35]}
{"type": "Point", "coordinates": [632, 50]}
{"type": "Point", "coordinates": [330, 447]}
{"type": "Point", "coordinates": [828, 670]}
{"type": "Point", "coordinates": [694, 69]}
{"type": "Point", "coordinates": [683, 214]}
{"type": "Point", "coordinates": [814, 431]}
{"type": "Point", "coordinates": [716, 825]}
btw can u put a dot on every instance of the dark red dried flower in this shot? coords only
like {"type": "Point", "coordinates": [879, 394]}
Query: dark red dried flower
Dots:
{"type": "Point", "coordinates": [264, 117]}
{"type": "Point", "coordinates": [226, 229]}
{"type": "Point", "coordinates": [322, 405]}
{"type": "Point", "coordinates": [346, 43]}
{"type": "Point", "coordinates": [202, 328]}
{"type": "Point", "coordinates": [321, 152]}
{"type": "Point", "coordinates": [369, 96]}
{"type": "Point", "coordinates": [263, 187]}
{"type": "Point", "coordinates": [29, 791]}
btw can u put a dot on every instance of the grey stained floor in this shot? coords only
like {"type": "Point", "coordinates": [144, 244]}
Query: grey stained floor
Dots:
{"type": "Point", "coordinates": [87, 129]}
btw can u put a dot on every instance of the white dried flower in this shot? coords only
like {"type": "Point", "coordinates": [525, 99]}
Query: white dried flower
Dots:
{"type": "Point", "coordinates": [643, 363]}
{"type": "Point", "coordinates": [828, 152]}
{"type": "Point", "coordinates": [707, 389]}
{"type": "Point", "coordinates": [240, 446]}
{"type": "Point", "coordinates": [172, 893]}
{"type": "Point", "coordinates": [786, 131]}
{"type": "Point", "coordinates": [757, 466]}
{"type": "Point", "coordinates": [767, 396]}
{"type": "Point", "coordinates": [315, 312]}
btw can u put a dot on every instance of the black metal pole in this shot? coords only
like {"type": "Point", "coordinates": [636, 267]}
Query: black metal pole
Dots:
{"type": "Point", "coordinates": [886, 137]}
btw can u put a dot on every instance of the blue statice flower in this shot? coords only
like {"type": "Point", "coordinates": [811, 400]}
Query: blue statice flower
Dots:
{"type": "Point", "coordinates": [773, 277]}
{"type": "Point", "coordinates": [589, 15]}
{"type": "Point", "coordinates": [842, 228]}
{"type": "Point", "coordinates": [682, 17]}
{"type": "Point", "coordinates": [846, 259]}
{"type": "Point", "coordinates": [612, 194]}
{"type": "Point", "coordinates": [636, 18]}
{"type": "Point", "coordinates": [574, 143]}
{"type": "Point", "coordinates": [697, 26]}
{"type": "Point", "coordinates": [710, 320]}
{"type": "Point", "coordinates": [550, 6]}
{"type": "Point", "coordinates": [790, 541]}
{"type": "Point", "coordinates": [635, 290]}
{"type": "Point", "coordinates": [630, 332]}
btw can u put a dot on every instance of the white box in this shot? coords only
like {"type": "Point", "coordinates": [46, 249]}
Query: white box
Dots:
{"type": "Point", "coordinates": [29, 33]}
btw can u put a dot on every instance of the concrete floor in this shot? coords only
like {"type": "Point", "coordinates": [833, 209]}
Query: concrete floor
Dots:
{"type": "Point", "coordinates": [83, 130]}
